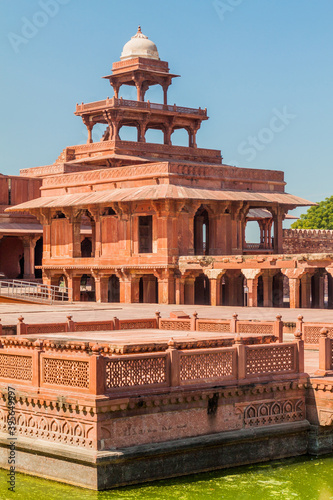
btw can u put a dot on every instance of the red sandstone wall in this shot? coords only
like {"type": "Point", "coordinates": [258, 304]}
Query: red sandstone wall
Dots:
{"type": "Point", "coordinates": [307, 241]}
{"type": "Point", "coordinates": [11, 248]}
{"type": "Point", "coordinates": [112, 230]}
{"type": "Point", "coordinates": [60, 237]}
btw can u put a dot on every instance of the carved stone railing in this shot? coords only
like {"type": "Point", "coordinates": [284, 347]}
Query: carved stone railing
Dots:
{"type": "Point", "coordinates": [83, 326]}
{"type": "Point", "coordinates": [125, 103]}
{"type": "Point", "coordinates": [86, 367]}
{"type": "Point", "coordinates": [272, 329]}
{"type": "Point", "coordinates": [325, 353]}
{"type": "Point", "coordinates": [224, 326]}
{"type": "Point", "coordinates": [311, 331]}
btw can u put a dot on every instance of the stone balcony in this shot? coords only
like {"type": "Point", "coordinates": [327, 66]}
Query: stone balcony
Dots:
{"type": "Point", "coordinates": [124, 104]}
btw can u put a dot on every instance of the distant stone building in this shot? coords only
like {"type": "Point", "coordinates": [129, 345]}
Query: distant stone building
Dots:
{"type": "Point", "coordinates": [135, 221]}
{"type": "Point", "coordinates": [21, 234]}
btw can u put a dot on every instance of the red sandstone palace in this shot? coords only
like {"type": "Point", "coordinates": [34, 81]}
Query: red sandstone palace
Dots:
{"type": "Point", "coordinates": [134, 221]}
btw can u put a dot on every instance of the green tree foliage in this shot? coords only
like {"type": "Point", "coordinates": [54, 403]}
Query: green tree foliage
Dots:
{"type": "Point", "coordinates": [317, 217]}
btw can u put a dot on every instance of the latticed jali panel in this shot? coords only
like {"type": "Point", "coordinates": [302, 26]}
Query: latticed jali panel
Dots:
{"type": "Point", "coordinates": [92, 327]}
{"type": "Point", "coordinates": [175, 325]}
{"type": "Point", "coordinates": [16, 367]}
{"type": "Point", "coordinates": [270, 360]}
{"type": "Point", "coordinates": [206, 366]}
{"type": "Point", "coordinates": [312, 333]}
{"type": "Point", "coordinates": [213, 327]}
{"type": "Point", "coordinates": [134, 325]}
{"type": "Point", "coordinates": [66, 372]}
{"type": "Point", "coordinates": [254, 328]}
{"type": "Point", "coordinates": [135, 372]}
{"type": "Point", "coordinates": [52, 328]}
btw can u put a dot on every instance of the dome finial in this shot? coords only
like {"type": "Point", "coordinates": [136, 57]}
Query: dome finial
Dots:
{"type": "Point", "coordinates": [139, 46]}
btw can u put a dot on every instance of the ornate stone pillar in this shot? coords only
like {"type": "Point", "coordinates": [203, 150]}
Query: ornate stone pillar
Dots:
{"type": "Point", "coordinates": [142, 131]}
{"type": "Point", "coordinates": [317, 282]}
{"type": "Point", "coordinates": [237, 231]}
{"type": "Point", "coordinates": [198, 244]}
{"type": "Point", "coordinates": [330, 287]}
{"type": "Point", "coordinates": [29, 257]}
{"type": "Point", "coordinates": [268, 288]}
{"type": "Point", "coordinates": [166, 290]}
{"type": "Point", "coordinates": [180, 290]}
{"type": "Point", "coordinates": [129, 289]}
{"type": "Point", "coordinates": [74, 283]}
{"type": "Point", "coordinates": [252, 276]}
{"type": "Point", "coordinates": [189, 291]}
{"type": "Point", "coordinates": [306, 290]}
{"type": "Point", "coordinates": [101, 287]}
{"type": "Point", "coordinates": [215, 285]}
{"type": "Point", "coordinates": [116, 87]}
{"type": "Point", "coordinates": [165, 87]}
{"type": "Point", "coordinates": [167, 131]}
{"type": "Point", "coordinates": [278, 215]}
{"type": "Point", "coordinates": [90, 126]}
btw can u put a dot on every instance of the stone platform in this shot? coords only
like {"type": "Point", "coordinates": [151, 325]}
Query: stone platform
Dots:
{"type": "Point", "coordinates": [106, 408]}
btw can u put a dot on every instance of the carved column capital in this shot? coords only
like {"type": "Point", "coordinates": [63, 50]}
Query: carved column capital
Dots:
{"type": "Point", "coordinates": [251, 274]}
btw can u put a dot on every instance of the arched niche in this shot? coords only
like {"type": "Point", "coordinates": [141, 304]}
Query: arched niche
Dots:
{"type": "Point", "coordinates": [201, 232]}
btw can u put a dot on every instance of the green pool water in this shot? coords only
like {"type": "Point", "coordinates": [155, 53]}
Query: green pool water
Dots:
{"type": "Point", "coordinates": [301, 478]}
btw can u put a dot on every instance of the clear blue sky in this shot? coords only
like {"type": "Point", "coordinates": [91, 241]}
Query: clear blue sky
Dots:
{"type": "Point", "coordinates": [247, 61]}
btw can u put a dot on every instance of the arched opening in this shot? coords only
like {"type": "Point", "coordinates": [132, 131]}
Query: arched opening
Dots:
{"type": "Point", "coordinates": [180, 137]}
{"type": "Point", "coordinates": [127, 92]}
{"type": "Point", "coordinates": [202, 290]}
{"type": "Point", "coordinates": [145, 227]}
{"type": "Point", "coordinates": [329, 291]}
{"type": "Point", "coordinates": [86, 247]}
{"type": "Point", "coordinates": [87, 288]}
{"type": "Point", "coordinates": [278, 289]}
{"type": "Point", "coordinates": [154, 94]}
{"type": "Point", "coordinates": [258, 230]}
{"type": "Point", "coordinates": [232, 288]}
{"type": "Point", "coordinates": [252, 235]}
{"type": "Point", "coordinates": [38, 257]}
{"type": "Point", "coordinates": [21, 266]}
{"type": "Point", "coordinates": [148, 289]}
{"type": "Point", "coordinates": [318, 289]}
{"type": "Point", "coordinates": [11, 257]}
{"type": "Point", "coordinates": [286, 292]}
{"type": "Point", "coordinates": [260, 292]}
{"type": "Point", "coordinates": [87, 234]}
{"type": "Point", "coordinates": [62, 284]}
{"type": "Point", "coordinates": [113, 289]}
{"type": "Point", "coordinates": [154, 136]}
{"type": "Point", "coordinates": [128, 133]}
{"type": "Point", "coordinates": [201, 232]}
{"type": "Point", "coordinates": [59, 215]}
{"type": "Point", "coordinates": [108, 211]}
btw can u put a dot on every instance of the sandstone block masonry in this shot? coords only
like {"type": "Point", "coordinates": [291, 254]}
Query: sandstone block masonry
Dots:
{"type": "Point", "coordinates": [307, 241]}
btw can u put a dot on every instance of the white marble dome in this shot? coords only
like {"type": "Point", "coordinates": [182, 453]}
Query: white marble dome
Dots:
{"type": "Point", "coordinates": [139, 46]}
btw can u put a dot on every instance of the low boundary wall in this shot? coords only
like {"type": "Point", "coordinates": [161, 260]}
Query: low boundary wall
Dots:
{"type": "Point", "coordinates": [274, 328]}
{"type": "Point", "coordinates": [88, 368]}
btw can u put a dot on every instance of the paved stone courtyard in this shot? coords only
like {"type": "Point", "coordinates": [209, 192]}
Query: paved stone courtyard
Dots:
{"type": "Point", "coordinates": [90, 311]}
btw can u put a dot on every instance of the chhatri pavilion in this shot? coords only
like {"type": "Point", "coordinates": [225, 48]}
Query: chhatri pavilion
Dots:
{"type": "Point", "coordinates": [135, 221]}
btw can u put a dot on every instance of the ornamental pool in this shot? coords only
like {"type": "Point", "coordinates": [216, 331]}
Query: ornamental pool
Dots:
{"type": "Point", "coordinates": [305, 478]}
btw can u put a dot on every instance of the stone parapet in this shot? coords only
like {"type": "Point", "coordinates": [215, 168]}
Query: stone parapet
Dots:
{"type": "Point", "coordinates": [307, 241]}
